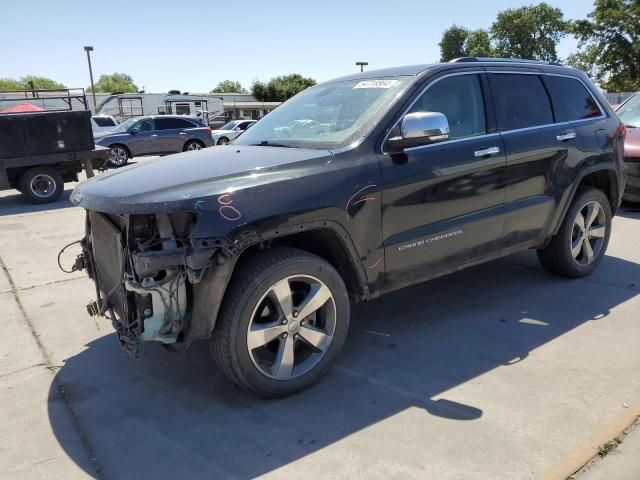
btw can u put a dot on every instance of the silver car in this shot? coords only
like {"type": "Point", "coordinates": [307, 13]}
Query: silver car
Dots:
{"type": "Point", "coordinates": [230, 131]}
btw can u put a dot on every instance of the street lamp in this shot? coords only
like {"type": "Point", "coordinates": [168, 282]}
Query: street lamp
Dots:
{"type": "Point", "coordinates": [93, 88]}
{"type": "Point", "coordinates": [362, 65]}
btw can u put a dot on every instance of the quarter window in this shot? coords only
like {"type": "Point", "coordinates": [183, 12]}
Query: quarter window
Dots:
{"type": "Point", "coordinates": [460, 99]}
{"type": "Point", "coordinates": [571, 101]}
{"type": "Point", "coordinates": [521, 101]}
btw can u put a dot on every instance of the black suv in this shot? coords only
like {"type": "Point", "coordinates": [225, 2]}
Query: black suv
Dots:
{"type": "Point", "coordinates": [351, 189]}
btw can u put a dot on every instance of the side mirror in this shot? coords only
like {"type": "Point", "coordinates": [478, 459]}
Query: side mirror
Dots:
{"type": "Point", "coordinates": [237, 129]}
{"type": "Point", "coordinates": [420, 128]}
{"type": "Point", "coordinates": [133, 131]}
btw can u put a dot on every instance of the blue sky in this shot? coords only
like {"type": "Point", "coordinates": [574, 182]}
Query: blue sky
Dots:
{"type": "Point", "coordinates": [193, 45]}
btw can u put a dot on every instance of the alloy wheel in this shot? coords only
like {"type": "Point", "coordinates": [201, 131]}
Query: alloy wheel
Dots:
{"type": "Point", "coordinates": [118, 156]}
{"type": "Point", "coordinates": [292, 327]}
{"type": "Point", "coordinates": [194, 146]}
{"type": "Point", "coordinates": [588, 235]}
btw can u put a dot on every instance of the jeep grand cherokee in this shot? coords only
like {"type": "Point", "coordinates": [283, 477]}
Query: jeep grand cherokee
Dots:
{"type": "Point", "coordinates": [399, 176]}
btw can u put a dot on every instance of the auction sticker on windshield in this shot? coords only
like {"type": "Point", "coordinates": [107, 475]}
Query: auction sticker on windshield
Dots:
{"type": "Point", "coordinates": [376, 84]}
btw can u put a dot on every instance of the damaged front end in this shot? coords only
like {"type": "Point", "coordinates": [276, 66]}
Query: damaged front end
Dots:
{"type": "Point", "coordinates": [145, 268]}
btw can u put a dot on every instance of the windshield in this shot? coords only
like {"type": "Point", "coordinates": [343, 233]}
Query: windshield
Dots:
{"type": "Point", "coordinates": [125, 126]}
{"type": "Point", "coordinates": [229, 126]}
{"type": "Point", "coordinates": [629, 113]}
{"type": "Point", "coordinates": [331, 115]}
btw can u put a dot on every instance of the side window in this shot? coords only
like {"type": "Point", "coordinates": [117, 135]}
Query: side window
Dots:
{"type": "Point", "coordinates": [571, 101]}
{"type": "Point", "coordinates": [144, 125]}
{"type": "Point", "coordinates": [521, 101]}
{"type": "Point", "coordinates": [460, 99]}
{"type": "Point", "coordinates": [172, 123]}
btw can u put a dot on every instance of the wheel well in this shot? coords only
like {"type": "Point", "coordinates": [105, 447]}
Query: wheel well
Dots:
{"type": "Point", "coordinates": [123, 146]}
{"type": "Point", "coordinates": [325, 243]}
{"type": "Point", "coordinates": [193, 140]}
{"type": "Point", "coordinates": [604, 180]}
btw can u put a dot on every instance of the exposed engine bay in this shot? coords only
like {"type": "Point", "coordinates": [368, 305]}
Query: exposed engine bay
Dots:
{"type": "Point", "coordinates": [144, 268]}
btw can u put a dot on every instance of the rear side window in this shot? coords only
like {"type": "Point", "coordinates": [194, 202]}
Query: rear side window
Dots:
{"type": "Point", "coordinates": [571, 101]}
{"type": "Point", "coordinates": [521, 101]}
{"type": "Point", "coordinates": [104, 122]}
{"type": "Point", "coordinates": [460, 99]}
{"type": "Point", "coordinates": [170, 123]}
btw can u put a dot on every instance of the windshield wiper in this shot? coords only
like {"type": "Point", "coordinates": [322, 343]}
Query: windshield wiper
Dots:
{"type": "Point", "coordinates": [267, 143]}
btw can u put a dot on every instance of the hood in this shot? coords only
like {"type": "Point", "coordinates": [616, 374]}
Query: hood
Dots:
{"type": "Point", "coordinates": [184, 181]}
{"type": "Point", "coordinates": [97, 136]}
{"type": "Point", "coordinates": [632, 142]}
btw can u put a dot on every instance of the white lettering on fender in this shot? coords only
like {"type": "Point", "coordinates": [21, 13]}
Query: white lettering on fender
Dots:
{"type": "Point", "coordinates": [426, 241]}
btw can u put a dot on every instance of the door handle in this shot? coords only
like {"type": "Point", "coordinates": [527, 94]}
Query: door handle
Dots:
{"type": "Point", "coordinates": [566, 136]}
{"type": "Point", "coordinates": [154, 135]}
{"type": "Point", "coordinates": [485, 152]}
{"type": "Point", "coordinates": [182, 133]}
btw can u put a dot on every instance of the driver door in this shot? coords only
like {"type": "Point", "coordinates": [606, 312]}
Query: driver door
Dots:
{"type": "Point", "coordinates": [443, 202]}
{"type": "Point", "coordinates": [142, 138]}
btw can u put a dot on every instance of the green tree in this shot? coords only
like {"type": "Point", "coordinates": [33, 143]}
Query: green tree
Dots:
{"type": "Point", "coordinates": [281, 88]}
{"type": "Point", "coordinates": [452, 44]}
{"type": "Point", "coordinates": [531, 32]}
{"type": "Point", "coordinates": [116, 82]}
{"type": "Point", "coordinates": [478, 44]}
{"type": "Point", "coordinates": [23, 83]}
{"type": "Point", "coordinates": [609, 41]}
{"type": "Point", "coordinates": [229, 86]}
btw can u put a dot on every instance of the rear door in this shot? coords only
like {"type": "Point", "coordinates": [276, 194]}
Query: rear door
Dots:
{"type": "Point", "coordinates": [171, 133]}
{"type": "Point", "coordinates": [539, 148]}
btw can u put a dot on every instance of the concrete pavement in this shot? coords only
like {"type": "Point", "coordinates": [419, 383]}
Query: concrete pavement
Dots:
{"type": "Point", "coordinates": [500, 371]}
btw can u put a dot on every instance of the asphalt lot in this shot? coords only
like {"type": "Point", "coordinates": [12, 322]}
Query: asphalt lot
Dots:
{"type": "Point", "coordinates": [500, 371]}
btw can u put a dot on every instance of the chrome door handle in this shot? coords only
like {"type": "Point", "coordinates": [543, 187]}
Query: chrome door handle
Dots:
{"type": "Point", "coordinates": [154, 135]}
{"type": "Point", "coordinates": [485, 152]}
{"type": "Point", "coordinates": [566, 136]}
{"type": "Point", "coordinates": [182, 133]}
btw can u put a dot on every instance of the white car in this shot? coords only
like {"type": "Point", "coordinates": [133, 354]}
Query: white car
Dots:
{"type": "Point", "coordinates": [103, 123]}
{"type": "Point", "coordinates": [230, 131]}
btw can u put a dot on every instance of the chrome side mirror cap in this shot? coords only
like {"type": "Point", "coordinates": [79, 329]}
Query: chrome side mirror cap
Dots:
{"type": "Point", "coordinates": [421, 128]}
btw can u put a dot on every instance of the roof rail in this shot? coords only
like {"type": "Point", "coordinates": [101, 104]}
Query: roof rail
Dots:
{"type": "Point", "coordinates": [500, 60]}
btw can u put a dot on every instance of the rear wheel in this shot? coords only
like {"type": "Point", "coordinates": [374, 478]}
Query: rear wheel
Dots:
{"type": "Point", "coordinates": [580, 244]}
{"type": "Point", "coordinates": [119, 156]}
{"type": "Point", "coordinates": [41, 185]}
{"type": "Point", "coordinates": [192, 145]}
{"type": "Point", "coordinates": [283, 321]}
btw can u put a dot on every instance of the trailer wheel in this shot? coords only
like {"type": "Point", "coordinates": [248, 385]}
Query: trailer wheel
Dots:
{"type": "Point", "coordinates": [41, 185]}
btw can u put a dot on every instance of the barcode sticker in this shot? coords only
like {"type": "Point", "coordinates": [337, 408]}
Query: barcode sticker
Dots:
{"type": "Point", "coordinates": [376, 84]}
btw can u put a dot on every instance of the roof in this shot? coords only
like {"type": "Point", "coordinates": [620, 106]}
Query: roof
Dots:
{"type": "Point", "coordinates": [23, 107]}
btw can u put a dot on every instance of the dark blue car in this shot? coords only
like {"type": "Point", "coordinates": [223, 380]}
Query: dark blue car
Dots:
{"type": "Point", "coordinates": [154, 135]}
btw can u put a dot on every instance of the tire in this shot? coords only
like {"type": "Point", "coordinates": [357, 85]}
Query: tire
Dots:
{"type": "Point", "coordinates": [223, 141]}
{"type": "Point", "coordinates": [192, 145]}
{"type": "Point", "coordinates": [41, 185]}
{"type": "Point", "coordinates": [567, 254]}
{"type": "Point", "coordinates": [119, 155]}
{"type": "Point", "coordinates": [250, 305]}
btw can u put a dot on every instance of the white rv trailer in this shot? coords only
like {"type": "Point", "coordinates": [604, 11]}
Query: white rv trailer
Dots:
{"type": "Point", "coordinates": [127, 105]}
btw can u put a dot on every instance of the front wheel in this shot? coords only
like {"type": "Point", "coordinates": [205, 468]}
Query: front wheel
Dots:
{"type": "Point", "coordinates": [223, 141]}
{"type": "Point", "coordinates": [283, 321]}
{"type": "Point", "coordinates": [119, 156]}
{"type": "Point", "coordinates": [580, 244]}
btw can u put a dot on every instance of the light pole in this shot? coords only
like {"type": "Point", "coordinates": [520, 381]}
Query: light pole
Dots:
{"type": "Point", "coordinates": [362, 65]}
{"type": "Point", "coordinates": [93, 88]}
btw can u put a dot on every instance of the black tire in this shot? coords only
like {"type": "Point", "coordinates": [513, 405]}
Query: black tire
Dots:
{"type": "Point", "coordinates": [193, 145]}
{"type": "Point", "coordinates": [120, 155]}
{"type": "Point", "coordinates": [41, 185]}
{"type": "Point", "coordinates": [249, 287]}
{"type": "Point", "coordinates": [557, 256]}
{"type": "Point", "coordinates": [223, 141]}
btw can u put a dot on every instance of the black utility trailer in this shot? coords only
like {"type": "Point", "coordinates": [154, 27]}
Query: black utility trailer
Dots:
{"type": "Point", "coordinates": [40, 150]}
